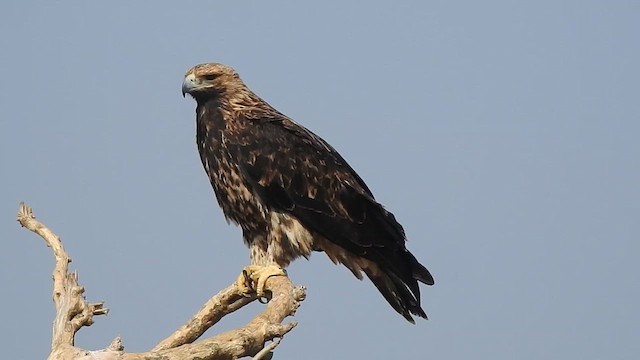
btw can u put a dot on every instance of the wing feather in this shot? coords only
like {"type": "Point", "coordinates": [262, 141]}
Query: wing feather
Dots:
{"type": "Point", "coordinates": [293, 170]}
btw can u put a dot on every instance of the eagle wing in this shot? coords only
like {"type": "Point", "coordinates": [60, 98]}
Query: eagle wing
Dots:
{"type": "Point", "coordinates": [294, 171]}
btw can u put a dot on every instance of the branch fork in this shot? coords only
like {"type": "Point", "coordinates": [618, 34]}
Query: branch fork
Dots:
{"type": "Point", "coordinates": [256, 339]}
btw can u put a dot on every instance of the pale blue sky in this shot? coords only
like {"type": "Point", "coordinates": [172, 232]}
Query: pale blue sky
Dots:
{"type": "Point", "coordinates": [502, 134]}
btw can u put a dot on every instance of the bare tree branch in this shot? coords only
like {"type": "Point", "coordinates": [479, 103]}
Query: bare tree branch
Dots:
{"type": "Point", "coordinates": [225, 302]}
{"type": "Point", "coordinates": [73, 312]}
{"type": "Point", "coordinates": [267, 352]}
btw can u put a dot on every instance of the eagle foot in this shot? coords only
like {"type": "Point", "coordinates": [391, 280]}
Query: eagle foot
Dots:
{"type": "Point", "coordinates": [254, 277]}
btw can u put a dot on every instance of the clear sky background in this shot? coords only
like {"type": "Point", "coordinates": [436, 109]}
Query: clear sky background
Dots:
{"type": "Point", "coordinates": [504, 135]}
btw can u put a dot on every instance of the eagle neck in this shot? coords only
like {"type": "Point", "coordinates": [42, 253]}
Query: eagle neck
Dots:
{"type": "Point", "coordinates": [207, 110]}
{"type": "Point", "coordinates": [241, 101]}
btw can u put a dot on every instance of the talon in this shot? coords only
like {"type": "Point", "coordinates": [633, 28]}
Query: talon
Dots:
{"type": "Point", "coordinates": [254, 278]}
{"type": "Point", "coordinates": [247, 280]}
{"type": "Point", "coordinates": [244, 283]}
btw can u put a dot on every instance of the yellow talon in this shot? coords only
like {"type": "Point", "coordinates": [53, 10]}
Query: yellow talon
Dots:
{"type": "Point", "coordinates": [254, 278]}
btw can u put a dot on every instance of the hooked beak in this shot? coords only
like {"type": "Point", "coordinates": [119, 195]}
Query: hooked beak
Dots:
{"type": "Point", "coordinates": [189, 84]}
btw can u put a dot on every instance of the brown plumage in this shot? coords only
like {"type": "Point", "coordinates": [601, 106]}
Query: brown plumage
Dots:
{"type": "Point", "coordinates": [292, 193]}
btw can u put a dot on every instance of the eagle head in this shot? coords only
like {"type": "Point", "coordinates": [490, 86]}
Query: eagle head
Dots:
{"type": "Point", "coordinates": [210, 80]}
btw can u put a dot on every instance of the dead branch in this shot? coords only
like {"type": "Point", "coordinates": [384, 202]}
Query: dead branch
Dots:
{"type": "Point", "coordinates": [221, 304]}
{"type": "Point", "coordinates": [72, 310]}
{"type": "Point", "coordinates": [258, 338]}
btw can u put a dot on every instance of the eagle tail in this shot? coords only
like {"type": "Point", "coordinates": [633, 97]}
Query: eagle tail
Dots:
{"type": "Point", "coordinates": [398, 280]}
{"type": "Point", "coordinates": [391, 227]}
{"type": "Point", "coordinates": [419, 272]}
{"type": "Point", "coordinates": [398, 294]}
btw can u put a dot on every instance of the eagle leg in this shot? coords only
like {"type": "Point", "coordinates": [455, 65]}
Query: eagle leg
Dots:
{"type": "Point", "coordinates": [254, 277]}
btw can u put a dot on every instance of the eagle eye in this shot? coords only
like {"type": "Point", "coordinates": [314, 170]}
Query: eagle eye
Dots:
{"type": "Point", "coordinates": [210, 77]}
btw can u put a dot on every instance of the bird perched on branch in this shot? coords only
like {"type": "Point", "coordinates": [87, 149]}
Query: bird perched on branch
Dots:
{"type": "Point", "coordinates": [292, 193]}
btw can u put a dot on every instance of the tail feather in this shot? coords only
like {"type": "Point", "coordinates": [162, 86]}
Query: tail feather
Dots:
{"type": "Point", "coordinates": [419, 272]}
{"type": "Point", "coordinates": [398, 295]}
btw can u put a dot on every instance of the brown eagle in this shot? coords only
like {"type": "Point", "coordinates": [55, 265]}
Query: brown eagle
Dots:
{"type": "Point", "coordinates": [292, 193]}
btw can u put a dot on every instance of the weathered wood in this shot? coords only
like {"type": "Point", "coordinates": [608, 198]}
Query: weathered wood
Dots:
{"type": "Point", "coordinates": [257, 338]}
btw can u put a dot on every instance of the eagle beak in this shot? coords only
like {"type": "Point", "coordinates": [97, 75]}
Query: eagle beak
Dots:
{"type": "Point", "coordinates": [188, 84]}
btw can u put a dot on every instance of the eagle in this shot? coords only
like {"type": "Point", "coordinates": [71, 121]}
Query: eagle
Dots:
{"type": "Point", "coordinates": [292, 193]}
